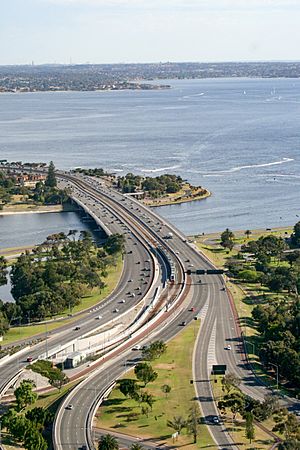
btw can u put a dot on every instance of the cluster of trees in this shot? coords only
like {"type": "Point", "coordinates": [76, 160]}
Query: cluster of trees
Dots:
{"type": "Point", "coordinates": [144, 373]}
{"type": "Point", "coordinates": [56, 275]}
{"type": "Point", "coordinates": [250, 409]}
{"type": "Point", "coordinates": [156, 187]}
{"type": "Point", "coordinates": [7, 188]}
{"type": "Point", "coordinates": [274, 262]}
{"type": "Point", "coordinates": [96, 172]}
{"type": "Point", "coordinates": [42, 193]}
{"type": "Point", "coordinates": [48, 193]}
{"type": "Point", "coordinates": [27, 427]}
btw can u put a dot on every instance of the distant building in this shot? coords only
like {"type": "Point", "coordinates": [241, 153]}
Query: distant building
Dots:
{"type": "Point", "coordinates": [30, 180]}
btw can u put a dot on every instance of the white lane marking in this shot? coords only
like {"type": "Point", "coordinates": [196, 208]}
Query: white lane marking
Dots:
{"type": "Point", "coordinates": [204, 309]}
{"type": "Point", "coordinates": [211, 353]}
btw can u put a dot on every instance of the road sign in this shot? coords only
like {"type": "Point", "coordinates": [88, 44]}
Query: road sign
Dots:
{"type": "Point", "coordinates": [214, 271]}
{"type": "Point", "coordinates": [219, 369]}
{"type": "Point", "coordinates": [200, 271]}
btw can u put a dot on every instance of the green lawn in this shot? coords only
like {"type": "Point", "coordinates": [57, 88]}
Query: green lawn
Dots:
{"type": "Point", "coordinates": [175, 369]}
{"type": "Point", "coordinates": [18, 333]}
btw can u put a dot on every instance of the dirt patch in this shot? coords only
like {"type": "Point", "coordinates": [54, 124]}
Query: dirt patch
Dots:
{"type": "Point", "coordinates": [165, 366]}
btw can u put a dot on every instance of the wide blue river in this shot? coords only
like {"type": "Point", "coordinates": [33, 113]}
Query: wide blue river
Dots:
{"type": "Point", "coordinates": [240, 138]}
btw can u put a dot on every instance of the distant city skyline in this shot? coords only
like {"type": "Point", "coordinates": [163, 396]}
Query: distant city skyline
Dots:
{"type": "Point", "coordinates": [116, 31]}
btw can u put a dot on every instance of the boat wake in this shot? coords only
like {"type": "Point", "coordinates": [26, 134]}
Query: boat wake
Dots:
{"type": "Point", "coordinates": [159, 169]}
{"type": "Point", "coordinates": [250, 166]}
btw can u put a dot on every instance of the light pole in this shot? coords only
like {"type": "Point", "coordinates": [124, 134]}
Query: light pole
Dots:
{"type": "Point", "coordinates": [277, 374]}
{"type": "Point", "coordinates": [46, 342]}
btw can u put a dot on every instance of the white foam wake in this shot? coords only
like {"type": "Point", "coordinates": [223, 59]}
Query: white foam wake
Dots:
{"type": "Point", "coordinates": [159, 169]}
{"type": "Point", "coordinates": [250, 166]}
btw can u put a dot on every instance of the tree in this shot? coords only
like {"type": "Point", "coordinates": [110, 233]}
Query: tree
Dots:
{"type": "Point", "coordinates": [108, 442]}
{"type": "Point", "coordinates": [39, 416]}
{"type": "Point", "coordinates": [287, 424]}
{"type": "Point", "coordinates": [34, 440]}
{"type": "Point", "coordinates": [145, 410]}
{"type": "Point", "coordinates": [229, 381]}
{"type": "Point", "coordinates": [57, 378]}
{"type": "Point", "coordinates": [136, 446]}
{"type": "Point", "coordinates": [235, 401]}
{"type": "Point", "coordinates": [128, 387]}
{"type": "Point", "coordinates": [145, 373]}
{"type": "Point", "coordinates": [227, 239]}
{"type": "Point", "coordinates": [51, 178]}
{"type": "Point", "coordinates": [147, 398]}
{"type": "Point", "coordinates": [154, 350]}
{"type": "Point", "coordinates": [166, 389]}
{"type": "Point", "coordinates": [3, 271]}
{"type": "Point", "coordinates": [249, 431]}
{"type": "Point", "coordinates": [295, 237]}
{"type": "Point", "coordinates": [177, 423]}
{"type": "Point", "coordinates": [115, 243]}
{"type": "Point", "coordinates": [25, 395]}
{"type": "Point", "coordinates": [193, 422]}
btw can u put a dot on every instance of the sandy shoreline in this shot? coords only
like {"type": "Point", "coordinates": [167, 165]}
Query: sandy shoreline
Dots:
{"type": "Point", "coordinates": [32, 211]}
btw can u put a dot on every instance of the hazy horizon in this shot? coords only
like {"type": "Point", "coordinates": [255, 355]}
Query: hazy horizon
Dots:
{"type": "Point", "coordinates": [120, 31]}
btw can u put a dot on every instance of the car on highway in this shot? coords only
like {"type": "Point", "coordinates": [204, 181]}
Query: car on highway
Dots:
{"type": "Point", "coordinates": [76, 328]}
{"type": "Point", "coordinates": [115, 310]}
{"type": "Point", "coordinates": [29, 359]}
{"type": "Point", "coordinates": [136, 347]}
{"type": "Point", "coordinates": [70, 406]}
{"type": "Point", "coordinates": [122, 301]}
{"type": "Point", "coordinates": [228, 347]}
{"type": "Point", "coordinates": [183, 323]}
{"type": "Point", "coordinates": [192, 309]}
{"type": "Point", "coordinates": [99, 317]}
{"type": "Point", "coordinates": [130, 281]}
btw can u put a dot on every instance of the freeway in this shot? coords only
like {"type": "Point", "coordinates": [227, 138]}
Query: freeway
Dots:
{"type": "Point", "coordinates": [136, 278]}
{"type": "Point", "coordinates": [218, 329]}
{"type": "Point", "coordinates": [145, 232]}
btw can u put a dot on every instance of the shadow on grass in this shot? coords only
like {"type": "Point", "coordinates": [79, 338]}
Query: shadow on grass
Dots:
{"type": "Point", "coordinates": [256, 299]}
{"type": "Point", "coordinates": [113, 402]}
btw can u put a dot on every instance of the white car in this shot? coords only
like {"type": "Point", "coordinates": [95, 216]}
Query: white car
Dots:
{"type": "Point", "coordinates": [122, 301]}
{"type": "Point", "coordinates": [115, 310]}
{"type": "Point", "coordinates": [228, 347]}
{"type": "Point", "coordinates": [136, 347]}
{"type": "Point", "coordinates": [99, 317]}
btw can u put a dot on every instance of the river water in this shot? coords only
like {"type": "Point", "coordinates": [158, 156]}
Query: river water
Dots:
{"type": "Point", "coordinates": [240, 138]}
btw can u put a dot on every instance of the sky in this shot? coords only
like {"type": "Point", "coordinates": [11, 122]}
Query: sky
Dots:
{"type": "Point", "coordinates": [116, 31]}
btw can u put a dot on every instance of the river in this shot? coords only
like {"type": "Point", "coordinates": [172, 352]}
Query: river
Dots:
{"type": "Point", "coordinates": [237, 137]}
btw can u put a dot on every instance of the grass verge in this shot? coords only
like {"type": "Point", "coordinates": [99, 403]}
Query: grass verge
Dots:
{"type": "Point", "coordinates": [175, 369]}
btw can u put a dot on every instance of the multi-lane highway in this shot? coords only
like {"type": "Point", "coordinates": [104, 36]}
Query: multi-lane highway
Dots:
{"type": "Point", "coordinates": [147, 248]}
{"type": "Point", "coordinates": [218, 329]}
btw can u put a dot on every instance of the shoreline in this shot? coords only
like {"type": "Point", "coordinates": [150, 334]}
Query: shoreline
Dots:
{"type": "Point", "coordinates": [35, 209]}
{"type": "Point", "coordinates": [180, 202]}
{"type": "Point", "coordinates": [179, 197]}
